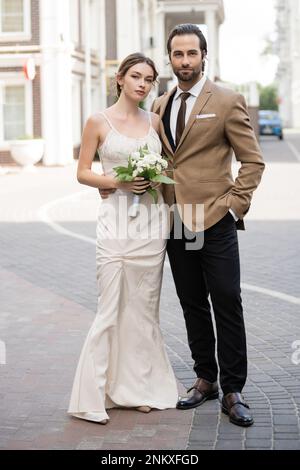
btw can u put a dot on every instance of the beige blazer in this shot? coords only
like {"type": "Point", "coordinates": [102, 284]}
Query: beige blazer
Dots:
{"type": "Point", "coordinates": [201, 164]}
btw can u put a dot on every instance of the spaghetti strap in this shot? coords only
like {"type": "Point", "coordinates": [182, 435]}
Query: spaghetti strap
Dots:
{"type": "Point", "coordinates": [150, 118]}
{"type": "Point", "coordinates": [107, 120]}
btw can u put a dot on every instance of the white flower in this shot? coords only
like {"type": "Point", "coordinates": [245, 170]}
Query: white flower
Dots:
{"type": "Point", "coordinates": [135, 155]}
{"type": "Point", "coordinates": [151, 158]}
{"type": "Point", "coordinates": [147, 159]}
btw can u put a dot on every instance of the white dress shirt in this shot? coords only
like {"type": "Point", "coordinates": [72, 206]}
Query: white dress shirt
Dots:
{"type": "Point", "coordinates": [195, 92]}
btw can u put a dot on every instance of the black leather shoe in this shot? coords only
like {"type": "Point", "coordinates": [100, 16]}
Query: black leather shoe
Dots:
{"type": "Point", "coordinates": [201, 391]}
{"type": "Point", "coordinates": [234, 405]}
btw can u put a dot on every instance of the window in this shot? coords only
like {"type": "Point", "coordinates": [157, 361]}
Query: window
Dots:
{"type": "Point", "coordinates": [14, 19]}
{"type": "Point", "coordinates": [12, 16]}
{"type": "Point", "coordinates": [16, 108]}
{"type": "Point", "coordinates": [14, 119]}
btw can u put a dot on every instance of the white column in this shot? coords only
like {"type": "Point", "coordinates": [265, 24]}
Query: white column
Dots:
{"type": "Point", "coordinates": [160, 42]}
{"type": "Point", "coordinates": [136, 36]}
{"type": "Point", "coordinates": [145, 28]}
{"type": "Point", "coordinates": [210, 20]}
{"type": "Point", "coordinates": [56, 82]}
{"type": "Point", "coordinates": [152, 22]}
{"type": "Point", "coordinates": [295, 61]}
{"type": "Point", "coordinates": [87, 58]}
{"type": "Point", "coordinates": [217, 52]}
{"type": "Point", "coordinates": [128, 37]}
{"type": "Point", "coordinates": [102, 26]}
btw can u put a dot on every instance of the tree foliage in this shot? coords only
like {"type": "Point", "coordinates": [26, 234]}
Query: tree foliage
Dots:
{"type": "Point", "coordinates": [268, 97]}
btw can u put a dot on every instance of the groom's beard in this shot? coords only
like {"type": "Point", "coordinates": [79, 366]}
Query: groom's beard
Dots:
{"type": "Point", "coordinates": [189, 75]}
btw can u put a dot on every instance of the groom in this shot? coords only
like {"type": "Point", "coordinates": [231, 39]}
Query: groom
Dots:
{"type": "Point", "coordinates": [201, 125]}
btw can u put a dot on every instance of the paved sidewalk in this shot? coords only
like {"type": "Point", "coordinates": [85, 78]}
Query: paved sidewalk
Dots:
{"type": "Point", "coordinates": [48, 301]}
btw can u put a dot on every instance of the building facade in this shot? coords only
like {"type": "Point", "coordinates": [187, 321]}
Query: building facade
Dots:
{"type": "Point", "coordinates": [288, 50]}
{"type": "Point", "coordinates": [66, 39]}
{"type": "Point", "coordinates": [77, 46]}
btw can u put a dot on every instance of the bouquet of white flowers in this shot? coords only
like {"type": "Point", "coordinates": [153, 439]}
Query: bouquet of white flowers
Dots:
{"type": "Point", "coordinates": [149, 165]}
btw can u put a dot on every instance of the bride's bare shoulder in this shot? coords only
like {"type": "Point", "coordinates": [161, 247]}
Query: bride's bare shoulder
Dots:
{"type": "Point", "coordinates": [96, 127]}
{"type": "Point", "coordinates": [98, 124]}
{"type": "Point", "coordinates": [97, 118]}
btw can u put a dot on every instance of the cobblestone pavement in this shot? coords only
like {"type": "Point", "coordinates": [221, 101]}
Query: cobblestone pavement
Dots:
{"type": "Point", "coordinates": [48, 301]}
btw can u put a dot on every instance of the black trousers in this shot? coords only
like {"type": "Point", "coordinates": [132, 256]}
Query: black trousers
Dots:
{"type": "Point", "coordinates": [213, 269]}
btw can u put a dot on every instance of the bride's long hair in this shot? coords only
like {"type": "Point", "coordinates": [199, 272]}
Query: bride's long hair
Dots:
{"type": "Point", "coordinates": [130, 61]}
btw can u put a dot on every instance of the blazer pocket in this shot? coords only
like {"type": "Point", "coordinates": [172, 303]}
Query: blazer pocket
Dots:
{"type": "Point", "coordinates": [206, 119]}
{"type": "Point", "coordinates": [207, 123]}
{"type": "Point", "coordinates": [212, 180]}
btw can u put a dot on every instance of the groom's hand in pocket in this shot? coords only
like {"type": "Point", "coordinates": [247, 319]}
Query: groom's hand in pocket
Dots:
{"type": "Point", "coordinates": [104, 193]}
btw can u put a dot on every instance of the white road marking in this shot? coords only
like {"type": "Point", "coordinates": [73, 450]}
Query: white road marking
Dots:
{"type": "Point", "coordinates": [44, 217]}
{"type": "Point", "coordinates": [293, 149]}
{"type": "Point", "coordinates": [262, 290]}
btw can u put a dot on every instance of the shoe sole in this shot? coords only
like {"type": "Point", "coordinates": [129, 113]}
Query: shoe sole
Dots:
{"type": "Point", "coordinates": [189, 407]}
{"type": "Point", "coordinates": [237, 423]}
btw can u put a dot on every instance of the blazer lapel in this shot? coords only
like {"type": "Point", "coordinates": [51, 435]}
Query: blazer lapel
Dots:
{"type": "Point", "coordinates": [163, 135]}
{"type": "Point", "coordinates": [201, 101]}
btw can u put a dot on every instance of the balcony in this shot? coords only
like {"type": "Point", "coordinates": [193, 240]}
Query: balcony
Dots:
{"type": "Point", "coordinates": [192, 11]}
{"type": "Point", "coordinates": [169, 13]}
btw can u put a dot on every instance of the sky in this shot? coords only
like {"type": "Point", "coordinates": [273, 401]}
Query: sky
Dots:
{"type": "Point", "coordinates": [242, 38]}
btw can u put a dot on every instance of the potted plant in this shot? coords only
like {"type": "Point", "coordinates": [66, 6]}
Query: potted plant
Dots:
{"type": "Point", "coordinates": [27, 150]}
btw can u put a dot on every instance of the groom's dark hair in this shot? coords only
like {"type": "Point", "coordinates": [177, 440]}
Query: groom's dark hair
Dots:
{"type": "Point", "coordinates": [188, 28]}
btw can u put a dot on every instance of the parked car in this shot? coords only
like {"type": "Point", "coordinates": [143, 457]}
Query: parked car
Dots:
{"type": "Point", "coordinates": [270, 123]}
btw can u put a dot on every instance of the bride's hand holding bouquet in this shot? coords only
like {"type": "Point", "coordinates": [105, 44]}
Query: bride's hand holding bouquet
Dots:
{"type": "Point", "coordinates": [144, 167]}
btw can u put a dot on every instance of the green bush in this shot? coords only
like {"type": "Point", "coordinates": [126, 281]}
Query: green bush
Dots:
{"type": "Point", "coordinates": [268, 97]}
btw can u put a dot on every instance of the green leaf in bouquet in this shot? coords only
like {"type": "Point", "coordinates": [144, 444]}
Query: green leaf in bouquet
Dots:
{"type": "Point", "coordinates": [143, 150]}
{"type": "Point", "coordinates": [149, 174]}
{"type": "Point", "coordinates": [125, 177]}
{"type": "Point", "coordinates": [120, 169]}
{"type": "Point", "coordinates": [163, 179]}
{"type": "Point", "coordinates": [153, 193]}
{"type": "Point", "coordinates": [130, 167]}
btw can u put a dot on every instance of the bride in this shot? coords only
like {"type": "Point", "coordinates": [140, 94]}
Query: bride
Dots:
{"type": "Point", "coordinates": [123, 362]}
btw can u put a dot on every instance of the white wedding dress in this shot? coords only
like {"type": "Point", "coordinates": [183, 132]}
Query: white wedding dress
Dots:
{"type": "Point", "coordinates": [123, 362]}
